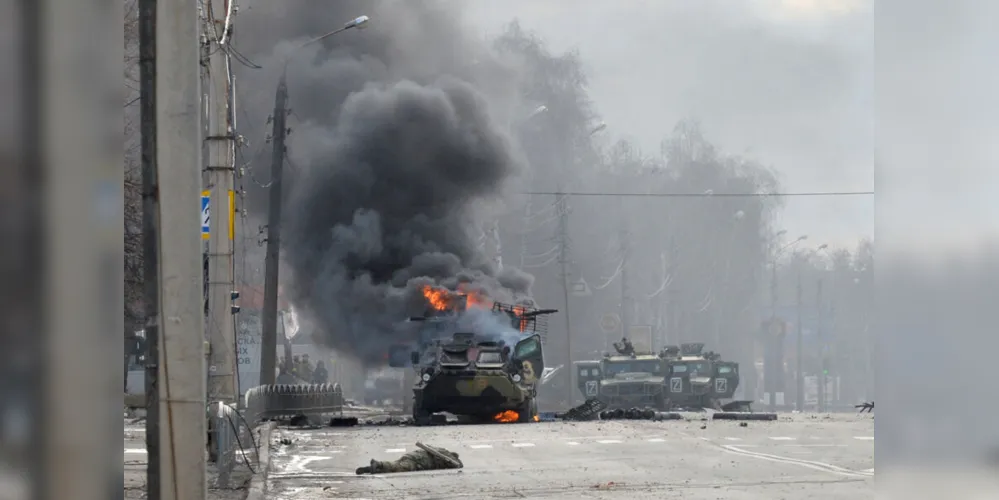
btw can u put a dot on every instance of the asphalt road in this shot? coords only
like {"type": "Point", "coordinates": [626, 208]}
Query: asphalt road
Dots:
{"type": "Point", "coordinates": [799, 457]}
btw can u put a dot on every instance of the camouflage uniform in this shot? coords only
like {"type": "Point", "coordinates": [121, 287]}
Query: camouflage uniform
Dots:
{"type": "Point", "coordinates": [624, 348]}
{"type": "Point", "coordinates": [413, 461]}
{"type": "Point", "coordinates": [305, 368]}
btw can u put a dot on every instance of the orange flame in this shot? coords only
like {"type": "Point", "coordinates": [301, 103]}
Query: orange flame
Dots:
{"type": "Point", "coordinates": [507, 417]}
{"type": "Point", "coordinates": [438, 298]}
{"type": "Point", "coordinates": [519, 311]}
{"type": "Point", "coordinates": [537, 419]}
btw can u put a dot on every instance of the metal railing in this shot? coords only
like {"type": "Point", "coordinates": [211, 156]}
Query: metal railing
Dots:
{"type": "Point", "coordinates": [231, 440]}
{"type": "Point", "coordinates": [232, 432]}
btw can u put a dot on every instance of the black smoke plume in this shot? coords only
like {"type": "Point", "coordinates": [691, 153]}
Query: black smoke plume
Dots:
{"type": "Point", "coordinates": [391, 207]}
{"type": "Point", "coordinates": [398, 147]}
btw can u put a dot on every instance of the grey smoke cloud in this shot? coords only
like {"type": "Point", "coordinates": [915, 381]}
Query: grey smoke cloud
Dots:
{"type": "Point", "coordinates": [489, 325]}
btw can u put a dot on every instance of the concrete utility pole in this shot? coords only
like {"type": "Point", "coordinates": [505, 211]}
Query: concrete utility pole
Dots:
{"type": "Point", "coordinates": [672, 297]}
{"type": "Point", "coordinates": [625, 239]}
{"type": "Point", "coordinates": [821, 376]}
{"type": "Point", "coordinates": [562, 205]}
{"type": "Point", "coordinates": [272, 260]}
{"type": "Point", "coordinates": [175, 317]}
{"type": "Point", "coordinates": [773, 366]}
{"type": "Point", "coordinates": [799, 379]}
{"type": "Point", "coordinates": [772, 371]}
{"type": "Point", "coordinates": [268, 341]}
{"type": "Point", "coordinates": [220, 170]}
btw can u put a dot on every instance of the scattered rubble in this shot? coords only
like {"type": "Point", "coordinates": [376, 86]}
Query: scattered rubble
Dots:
{"type": "Point", "coordinates": [589, 410]}
{"type": "Point", "coordinates": [639, 414]}
{"type": "Point", "coordinates": [343, 421]}
{"type": "Point", "coordinates": [738, 415]}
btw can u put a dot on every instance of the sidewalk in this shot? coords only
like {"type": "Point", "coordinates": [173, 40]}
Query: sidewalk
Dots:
{"type": "Point", "coordinates": [135, 482]}
{"type": "Point", "coordinates": [135, 471]}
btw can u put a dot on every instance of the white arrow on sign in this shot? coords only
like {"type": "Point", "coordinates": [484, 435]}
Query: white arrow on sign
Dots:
{"type": "Point", "coordinates": [205, 214]}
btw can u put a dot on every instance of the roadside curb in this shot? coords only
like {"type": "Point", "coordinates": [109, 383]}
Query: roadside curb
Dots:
{"type": "Point", "coordinates": [258, 483]}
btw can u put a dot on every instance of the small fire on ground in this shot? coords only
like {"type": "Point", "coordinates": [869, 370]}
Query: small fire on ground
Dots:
{"type": "Point", "coordinates": [509, 416]}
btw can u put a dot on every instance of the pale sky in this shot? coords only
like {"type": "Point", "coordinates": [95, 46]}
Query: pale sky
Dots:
{"type": "Point", "coordinates": [804, 86]}
{"type": "Point", "coordinates": [820, 90]}
{"type": "Point", "coordinates": [778, 80]}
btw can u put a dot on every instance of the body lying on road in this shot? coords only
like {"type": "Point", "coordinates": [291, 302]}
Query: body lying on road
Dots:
{"type": "Point", "coordinates": [425, 458]}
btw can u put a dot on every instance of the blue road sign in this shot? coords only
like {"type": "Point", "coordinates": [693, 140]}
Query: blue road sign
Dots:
{"type": "Point", "coordinates": [205, 229]}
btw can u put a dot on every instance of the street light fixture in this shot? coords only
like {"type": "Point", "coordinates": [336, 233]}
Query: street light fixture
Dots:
{"type": "Point", "coordinates": [537, 111]}
{"type": "Point", "coordinates": [359, 22]}
{"type": "Point", "coordinates": [822, 370]}
{"type": "Point", "coordinates": [268, 341]}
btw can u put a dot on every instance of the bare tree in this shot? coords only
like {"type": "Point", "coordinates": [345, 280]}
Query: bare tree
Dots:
{"type": "Point", "coordinates": [133, 174]}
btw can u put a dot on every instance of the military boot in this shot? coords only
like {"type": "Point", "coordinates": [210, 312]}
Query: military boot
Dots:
{"type": "Point", "coordinates": [370, 469]}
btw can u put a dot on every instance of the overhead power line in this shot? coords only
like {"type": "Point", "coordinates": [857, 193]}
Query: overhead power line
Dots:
{"type": "Point", "coordinates": [702, 195]}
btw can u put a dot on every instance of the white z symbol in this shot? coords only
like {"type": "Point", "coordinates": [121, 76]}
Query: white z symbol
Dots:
{"type": "Point", "coordinates": [721, 385]}
{"type": "Point", "coordinates": [676, 384]}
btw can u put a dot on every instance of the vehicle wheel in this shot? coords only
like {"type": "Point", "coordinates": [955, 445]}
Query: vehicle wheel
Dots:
{"type": "Point", "coordinates": [420, 416]}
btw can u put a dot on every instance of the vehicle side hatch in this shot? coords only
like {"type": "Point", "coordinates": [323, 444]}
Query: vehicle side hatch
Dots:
{"type": "Point", "coordinates": [726, 379]}
{"type": "Point", "coordinates": [529, 358]}
{"type": "Point", "coordinates": [588, 376]}
{"type": "Point", "coordinates": [678, 381]}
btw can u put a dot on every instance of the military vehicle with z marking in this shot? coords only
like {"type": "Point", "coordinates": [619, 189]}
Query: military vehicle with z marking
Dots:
{"type": "Point", "coordinates": [699, 380]}
{"type": "Point", "coordinates": [473, 374]}
{"type": "Point", "coordinates": [624, 381]}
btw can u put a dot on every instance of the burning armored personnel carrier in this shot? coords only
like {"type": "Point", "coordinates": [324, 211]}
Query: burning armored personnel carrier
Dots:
{"type": "Point", "coordinates": [476, 358]}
